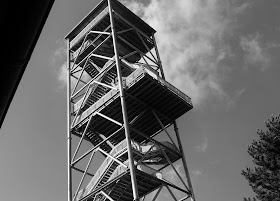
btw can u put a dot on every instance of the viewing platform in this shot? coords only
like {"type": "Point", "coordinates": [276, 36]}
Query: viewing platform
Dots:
{"type": "Point", "coordinates": [143, 88]}
{"type": "Point", "coordinates": [91, 31]}
{"type": "Point", "coordinates": [122, 112]}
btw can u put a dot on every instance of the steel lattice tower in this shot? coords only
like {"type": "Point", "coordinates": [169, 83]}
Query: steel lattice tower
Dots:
{"type": "Point", "coordinates": [118, 104]}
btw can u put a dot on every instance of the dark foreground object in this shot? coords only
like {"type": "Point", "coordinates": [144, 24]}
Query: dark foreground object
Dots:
{"type": "Point", "coordinates": [21, 25]}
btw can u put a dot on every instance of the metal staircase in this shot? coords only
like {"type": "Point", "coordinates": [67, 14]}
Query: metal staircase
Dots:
{"type": "Point", "coordinates": [121, 109]}
{"type": "Point", "coordinates": [110, 169]}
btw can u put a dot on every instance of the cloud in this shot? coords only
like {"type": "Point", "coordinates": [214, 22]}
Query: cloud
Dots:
{"type": "Point", "coordinates": [196, 173]}
{"type": "Point", "coordinates": [59, 61]}
{"type": "Point", "coordinates": [255, 53]}
{"type": "Point", "coordinates": [62, 75]}
{"type": "Point", "coordinates": [61, 51]}
{"type": "Point", "coordinates": [234, 99]}
{"type": "Point", "coordinates": [192, 38]}
{"type": "Point", "coordinates": [203, 146]}
{"type": "Point", "coordinates": [240, 9]}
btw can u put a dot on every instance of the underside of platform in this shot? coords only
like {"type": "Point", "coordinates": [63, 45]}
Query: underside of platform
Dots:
{"type": "Point", "coordinates": [111, 169]}
{"type": "Point", "coordinates": [119, 189]}
{"type": "Point", "coordinates": [145, 92]}
{"type": "Point", "coordinates": [119, 102]}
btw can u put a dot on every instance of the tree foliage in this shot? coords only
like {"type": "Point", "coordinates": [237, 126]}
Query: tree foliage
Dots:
{"type": "Point", "coordinates": [264, 178]}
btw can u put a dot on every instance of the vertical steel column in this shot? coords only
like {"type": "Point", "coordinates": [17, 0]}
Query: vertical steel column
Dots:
{"type": "Point", "coordinates": [125, 118]}
{"type": "Point", "coordinates": [183, 159]}
{"type": "Point", "coordinates": [176, 130]}
{"type": "Point", "coordinates": [69, 146]}
{"type": "Point", "coordinates": [159, 60]}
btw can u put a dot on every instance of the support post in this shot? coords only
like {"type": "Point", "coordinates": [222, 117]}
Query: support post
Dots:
{"type": "Point", "coordinates": [69, 176]}
{"type": "Point", "coordinates": [183, 159]}
{"type": "Point", "coordinates": [176, 131]}
{"type": "Point", "coordinates": [159, 61]}
{"type": "Point", "coordinates": [125, 118]}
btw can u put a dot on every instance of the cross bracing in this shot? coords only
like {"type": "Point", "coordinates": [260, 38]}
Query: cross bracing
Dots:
{"type": "Point", "coordinates": [119, 103]}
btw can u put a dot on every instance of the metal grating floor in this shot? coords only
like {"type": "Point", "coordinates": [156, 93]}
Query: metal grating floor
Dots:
{"type": "Point", "coordinates": [144, 92]}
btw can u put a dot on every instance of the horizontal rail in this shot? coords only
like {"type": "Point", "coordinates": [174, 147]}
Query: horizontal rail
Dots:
{"type": "Point", "coordinates": [132, 78]}
{"type": "Point", "coordinates": [88, 27]}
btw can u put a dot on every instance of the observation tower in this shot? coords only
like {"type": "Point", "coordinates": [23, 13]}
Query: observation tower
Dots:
{"type": "Point", "coordinates": [122, 131]}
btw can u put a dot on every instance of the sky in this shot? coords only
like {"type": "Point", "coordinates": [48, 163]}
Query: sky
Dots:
{"type": "Point", "coordinates": [224, 54]}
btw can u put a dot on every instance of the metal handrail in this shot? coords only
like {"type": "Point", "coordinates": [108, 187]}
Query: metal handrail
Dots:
{"type": "Point", "coordinates": [115, 152]}
{"type": "Point", "coordinates": [173, 89]}
{"type": "Point", "coordinates": [89, 26]}
{"type": "Point", "coordinates": [129, 80]}
{"type": "Point", "coordinates": [82, 47]}
{"type": "Point", "coordinates": [120, 148]}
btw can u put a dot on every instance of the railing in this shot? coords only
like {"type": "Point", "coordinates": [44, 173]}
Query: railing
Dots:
{"type": "Point", "coordinates": [176, 91]}
{"type": "Point", "coordinates": [98, 78]}
{"type": "Point", "coordinates": [97, 175]}
{"type": "Point", "coordinates": [130, 80]}
{"type": "Point", "coordinates": [121, 169]}
{"type": "Point", "coordinates": [86, 44]}
{"type": "Point", "coordinates": [120, 148]}
{"type": "Point", "coordinates": [150, 171]}
{"type": "Point", "coordinates": [154, 74]}
{"type": "Point", "coordinates": [77, 105]}
{"type": "Point", "coordinates": [173, 89]}
{"type": "Point", "coordinates": [89, 26]}
{"type": "Point", "coordinates": [96, 107]}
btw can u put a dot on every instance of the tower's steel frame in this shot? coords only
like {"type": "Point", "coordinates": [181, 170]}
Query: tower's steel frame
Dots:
{"type": "Point", "coordinates": [119, 102]}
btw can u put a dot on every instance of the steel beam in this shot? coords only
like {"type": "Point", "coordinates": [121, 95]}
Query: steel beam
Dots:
{"type": "Point", "coordinates": [83, 177]}
{"type": "Point", "coordinates": [116, 31]}
{"type": "Point", "coordinates": [170, 163]}
{"type": "Point", "coordinates": [81, 139]}
{"type": "Point", "coordinates": [163, 128]}
{"type": "Point", "coordinates": [77, 65]}
{"type": "Point", "coordinates": [108, 118]}
{"type": "Point", "coordinates": [157, 193]}
{"type": "Point", "coordinates": [173, 196]}
{"type": "Point", "coordinates": [113, 158]}
{"type": "Point", "coordinates": [69, 145]}
{"type": "Point", "coordinates": [177, 133]}
{"type": "Point", "coordinates": [159, 60]}
{"type": "Point", "coordinates": [125, 118]}
{"type": "Point", "coordinates": [184, 160]}
{"type": "Point", "coordinates": [82, 171]}
{"type": "Point", "coordinates": [145, 44]}
{"type": "Point", "coordinates": [97, 146]}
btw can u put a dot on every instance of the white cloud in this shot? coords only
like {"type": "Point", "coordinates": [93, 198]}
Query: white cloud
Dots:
{"type": "Point", "coordinates": [240, 9]}
{"type": "Point", "coordinates": [58, 60]}
{"type": "Point", "coordinates": [62, 75]}
{"type": "Point", "coordinates": [61, 51]}
{"type": "Point", "coordinates": [255, 54]}
{"type": "Point", "coordinates": [196, 173]}
{"type": "Point", "coordinates": [192, 40]}
{"type": "Point", "coordinates": [234, 99]}
{"type": "Point", "coordinates": [203, 146]}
